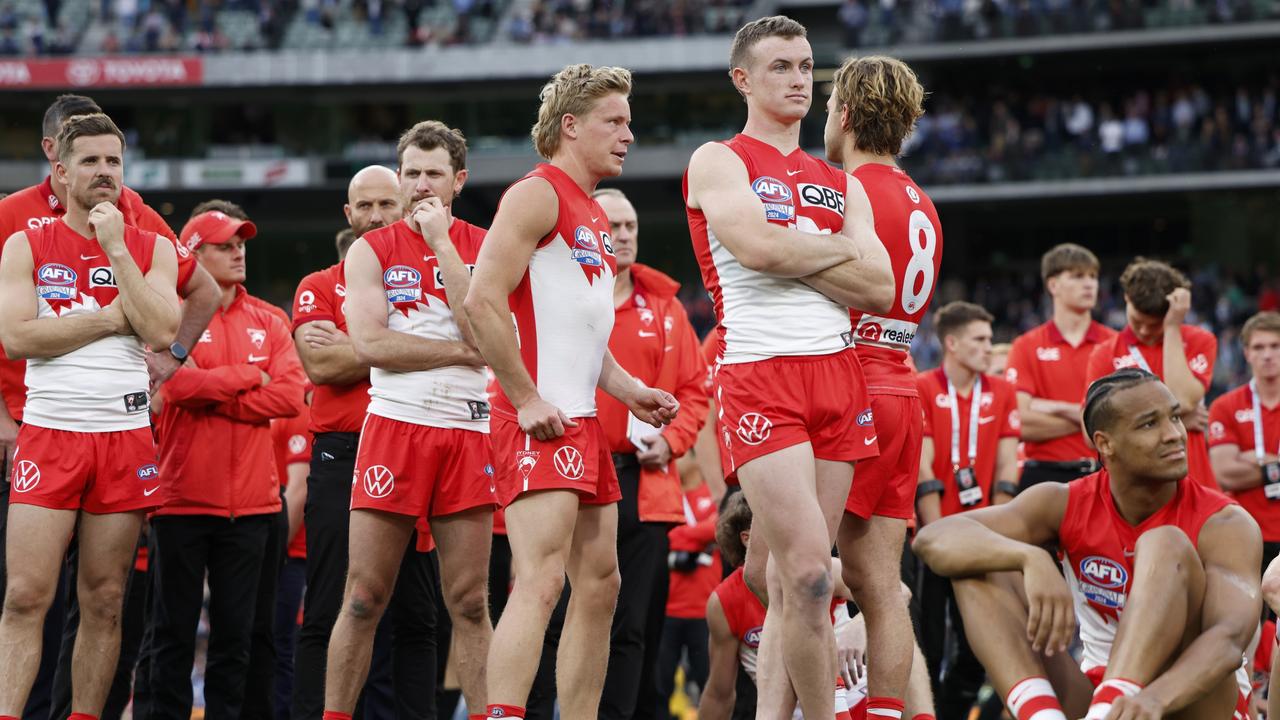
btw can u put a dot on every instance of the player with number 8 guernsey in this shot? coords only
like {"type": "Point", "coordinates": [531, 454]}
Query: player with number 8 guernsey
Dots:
{"type": "Point", "coordinates": [786, 246]}
{"type": "Point", "coordinates": [865, 139]}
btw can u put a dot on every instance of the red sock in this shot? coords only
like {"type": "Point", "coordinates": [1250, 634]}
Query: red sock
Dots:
{"type": "Point", "coordinates": [1033, 697]}
{"type": "Point", "coordinates": [476, 716]}
{"type": "Point", "coordinates": [924, 716]}
{"type": "Point", "coordinates": [8, 717]}
{"type": "Point", "coordinates": [82, 716]}
{"type": "Point", "coordinates": [884, 708]}
{"type": "Point", "coordinates": [1107, 693]}
{"type": "Point", "coordinates": [505, 711]}
{"type": "Point", "coordinates": [334, 715]}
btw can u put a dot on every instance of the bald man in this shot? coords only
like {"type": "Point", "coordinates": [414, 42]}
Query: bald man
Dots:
{"type": "Point", "coordinates": [374, 200]}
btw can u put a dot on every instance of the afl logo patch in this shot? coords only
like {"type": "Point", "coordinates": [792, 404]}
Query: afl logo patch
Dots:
{"type": "Point", "coordinates": [771, 190]}
{"type": "Point", "coordinates": [57, 282]}
{"type": "Point", "coordinates": [751, 638]}
{"type": "Point", "coordinates": [586, 250]}
{"type": "Point", "coordinates": [1104, 572]}
{"type": "Point", "coordinates": [865, 417]}
{"type": "Point", "coordinates": [401, 276]}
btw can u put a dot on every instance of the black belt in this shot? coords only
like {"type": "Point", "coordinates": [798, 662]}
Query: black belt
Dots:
{"type": "Point", "coordinates": [1083, 466]}
{"type": "Point", "coordinates": [340, 435]}
{"type": "Point", "coordinates": [625, 461]}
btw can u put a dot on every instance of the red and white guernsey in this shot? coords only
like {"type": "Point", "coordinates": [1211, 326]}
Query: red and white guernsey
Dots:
{"type": "Point", "coordinates": [764, 316]}
{"type": "Point", "coordinates": [907, 224]}
{"type": "Point", "coordinates": [101, 387]}
{"type": "Point", "coordinates": [1097, 546]}
{"type": "Point", "coordinates": [563, 306]}
{"type": "Point", "coordinates": [445, 397]}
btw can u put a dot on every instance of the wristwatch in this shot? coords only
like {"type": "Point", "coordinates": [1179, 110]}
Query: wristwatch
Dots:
{"type": "Point", "coordinates": [178, 351]}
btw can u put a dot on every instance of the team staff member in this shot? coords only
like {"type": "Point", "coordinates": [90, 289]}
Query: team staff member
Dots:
{"type": "Point", "coordinates": [1157, 298]}
{"type": "Point", "coordinates": [79, 297]}
{"type": "Point", "coordinates": [291, 445]}
{"type": "Point", "coordinates": [1244, 433]}
{"type": "Point", "coordinates": [969, 460]}
{"type": "Point", "coordinates": [549, 265]}
{"type": "Point", "coordinates": [1162, 576]}
{"type": "Point", "coordinates": [653, 340]}
{"type": "Point", "coordinates": [1048, 366]}
{"type": "Point", "coordinates": [376, 197]}
{"type": "Point", "coordinates": [31, 208]}
{"type": "Point", "coordinates": [221, 501]}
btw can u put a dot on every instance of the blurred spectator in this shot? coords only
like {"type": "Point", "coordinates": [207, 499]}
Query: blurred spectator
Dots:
{"type": "Point", "coordinates": [853, 18]}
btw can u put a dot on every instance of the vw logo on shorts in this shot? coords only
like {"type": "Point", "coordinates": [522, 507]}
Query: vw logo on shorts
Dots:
{"type": "Point", "coordinates": [26, 476]}
{"type": "Point", "coordinates": [754, 428]}
{"type": "Point", "coordinates": [379, 482]}
{"type": "Point", "coordinates": [569, 462]}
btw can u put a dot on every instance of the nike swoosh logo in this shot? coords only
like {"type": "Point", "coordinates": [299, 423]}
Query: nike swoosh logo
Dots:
{"type": "Point", "coordinates": [985, 420]}
{"type": "Point", "coordinates": [648, 334]}
{"type": "Point", "coordinates": [595, 219]}
{"type": "Point", "coordinates": [868, 441]}
{"type": "Point", "coordinates": [258, 358]}
{"type": "Point", "coordinates": [149, 493]}
{"type": "Point", "coordinates": [791, 173]}
{"type": "Point", "coordinates": [88, 257]}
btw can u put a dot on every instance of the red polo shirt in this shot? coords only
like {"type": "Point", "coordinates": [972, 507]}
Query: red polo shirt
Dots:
{"type": "Point", "coordinates": [1043, 364]}
{"type": "Point", "coordinates": [322, 296]}
{"type": "Point", "coordinates": [997, 418]}
{"type": "Point", "coordinates": [1201, 349]}
{"type": "Point", "coordinates": [292, 444]}
{"type": "Point", "coordinates": [1231, 423]}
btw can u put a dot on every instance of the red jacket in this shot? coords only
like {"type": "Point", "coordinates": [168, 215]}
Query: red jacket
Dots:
{"type": "Point", "coordinates": [216, 454]}
{"type": "Point", "coordinates": [653, 340]}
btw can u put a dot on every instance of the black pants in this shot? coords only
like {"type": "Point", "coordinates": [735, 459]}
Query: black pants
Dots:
{"type": "Point", "coordinates": [132, 622]}
{"type": "Point", "coordinates": [231, 551]}
{"type": "Point", "coordinates": [293, 580]}
{"type": "Point", "coordinates": [499, 576]}
{"type": "Point", "coordinates": [630, 684]}
{"type": "Point", "coordinates": [954, 671]}
{"type": "Point", "coordinates": [1034, 473]}
{"type": "Point", "coordinates": [681, 635]}
{"type": "Point", "coordinates": [259, 694]}
{"type": "Point", "coordinates": [411, 612]}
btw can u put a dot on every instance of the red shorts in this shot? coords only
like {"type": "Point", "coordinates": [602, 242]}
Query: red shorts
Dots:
{"type": "Point", "coordinates": [773, 404]}
{"type": "Point", "coordinates": [98, 472]}
{"type": "Point", "coordinates": [1096, 674]}
{"type": "Point", "coordinates": [419, 470]}
{"type": "Point", "coordinates": [579, 460]}
{"type": "Point", "coordinates": [886, 485]}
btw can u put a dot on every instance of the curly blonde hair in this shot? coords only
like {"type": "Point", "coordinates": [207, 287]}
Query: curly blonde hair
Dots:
{"type": "Point", "coordinates": [884, 99]}
{"type": "Point", "coordinates": [573, 91]}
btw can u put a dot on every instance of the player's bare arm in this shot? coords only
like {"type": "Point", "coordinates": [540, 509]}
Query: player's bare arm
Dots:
{"type": "Point", "coordinates": [327, 354]}
{"type": "Point", "coordinates": [26, 336]}
{"type": "Point", "coordinates": [379, 346]}
{"type": "Point", "coordinates": [1047, 419]}
{"type": "Point", "coordinates": [527, 214]}
{"type": "Point", "coordinates": [1235, 470]}
{"type": "Point", "coordinates": [1177, 373]}
{"type": "Point", "coordinates": [867, 281]}
{"type": "Point", "coordinates": [720, 693]}
{"type": "Point", "coordinates": [928, 505]}
{"type": "Point", "coordinates": [1010, 536]}
{"type": "Point", "coordinates": [149, 302]}
{"type": "Point", "coordinates": [1230, 545]}
{"type": "Point", "coordinates": [654, 406]}
{"type": "Point", "coordinates": [432, 219]}
{"type": "Point", "coordinates": [720, 187]}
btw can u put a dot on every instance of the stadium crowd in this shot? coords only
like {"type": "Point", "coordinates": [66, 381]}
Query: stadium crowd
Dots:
{"type": "Point", "coordinates": [500, 473]}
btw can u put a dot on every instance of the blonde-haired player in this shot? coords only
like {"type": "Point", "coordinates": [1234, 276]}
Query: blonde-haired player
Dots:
{"type": "Point", "coordinates": [548, 263]}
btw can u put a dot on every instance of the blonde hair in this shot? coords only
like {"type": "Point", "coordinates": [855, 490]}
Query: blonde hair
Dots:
{"type": "Point", "coordinates": [755, 31]}
{"type": "Point", "coordinates": [884, 99]}
{"type": "Point", "coordinates": [573, 91]}
{"type": "Point", "coordinates": [78, 126]}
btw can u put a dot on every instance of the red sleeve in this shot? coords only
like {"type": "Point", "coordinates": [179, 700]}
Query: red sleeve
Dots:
{"type": "Point", "coordinates": [693, 538]}
{"type": "Point", "coordinates": [1202, 353]}
{"type": "Point", "coordinates": [1019, 372]}
{"type": "Point", "coordinates": [312, 302]}
{"type": "Point", "coordinates": [149, 219]}
{"type": "Point", "coordinates": [1223, 429]}
{"type": "Point", "coordinates": [298, 441]}
{"type": "Point", "coordinates": [1100, 364]}
{"type": "Point", "coordinates": [197, 387]}
{"type": "Point", "coordinates": [683, 368]}
{"type": "Point", "coordinates": [1010, 422]}
{"type": "Point", "coordinates": [284, 395]}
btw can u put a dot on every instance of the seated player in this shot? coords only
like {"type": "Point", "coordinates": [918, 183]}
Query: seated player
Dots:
{"type": "Point", "coordinates": [735, 617]}
{"type": "Point", "coordinates": [1162, 573]}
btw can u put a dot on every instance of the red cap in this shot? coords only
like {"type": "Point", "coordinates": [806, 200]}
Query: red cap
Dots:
{"type": "Point", "coordinates": [215, 227]}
